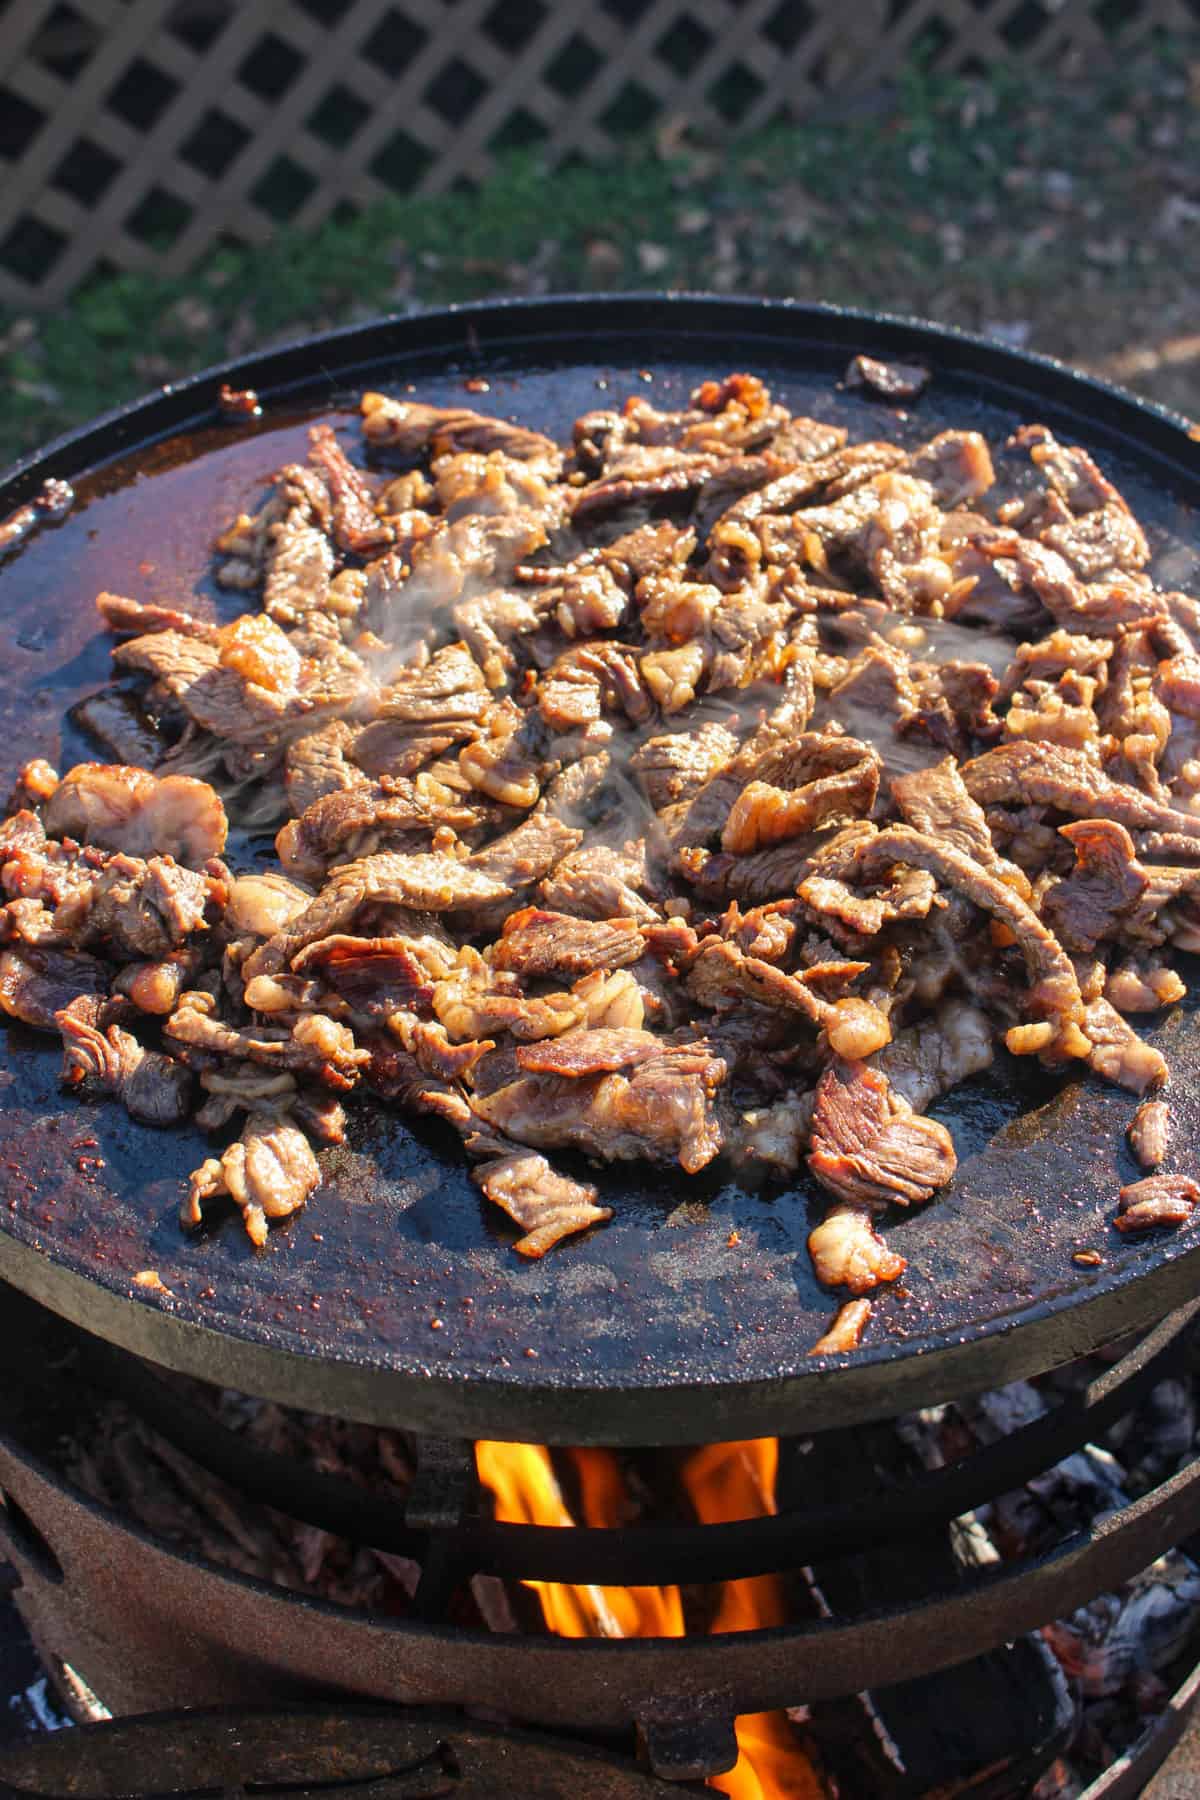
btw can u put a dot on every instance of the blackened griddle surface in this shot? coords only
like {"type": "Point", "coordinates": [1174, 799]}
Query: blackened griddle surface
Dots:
{"type": "Point", "coordinates": [688, 1317]}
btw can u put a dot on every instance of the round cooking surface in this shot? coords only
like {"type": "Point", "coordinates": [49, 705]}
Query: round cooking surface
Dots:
{"type": "Point", "coordinates": [396, 1296]}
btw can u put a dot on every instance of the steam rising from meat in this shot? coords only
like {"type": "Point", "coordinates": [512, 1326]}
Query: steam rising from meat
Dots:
{"type": "Point", "coordinates": [709, 787]}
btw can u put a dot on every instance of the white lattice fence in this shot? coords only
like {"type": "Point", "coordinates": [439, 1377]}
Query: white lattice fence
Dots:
{"type": "Point", "coordinates": [135, 133]}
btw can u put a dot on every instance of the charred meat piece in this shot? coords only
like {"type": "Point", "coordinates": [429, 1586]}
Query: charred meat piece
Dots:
{"type": "Point", "coordinates": [869, 1147]}
{"type": "Point", "coordinates": [887, 380]}
{"type": "Point", "coordinates": [132, 618]}
{"type": "Point", "coordinates": [155, 1089]}
{"type": "Point", "coordinates": [118, 723]}
{"type": "Point", "coordinates": [1157, 1200]}
{"type": "Point", "coordinates": [357, 528]}
{"type": "Point", "coordinates": [936, 801]}
{"type": "Point", "coordinates": [36, 985]}
{"type": "Point", "coordinates": [1046, 774]}
{"type": "Point", "coordinates": [664, 1109]}
{"type": "Point", "coordinates": [535, 942]}
{"type": "Point", "coordinates": [812, 781]}
{"type": "Point", "coordinates": [548, 1207]}
{"type": "Point", "coordinates": [430, 882]}
{"type": "Point", "coordinates": [268, 1174]}
{"type": "Point", "coordinates": [599, 882]}
{"type": "Point", "coordinates": [1149, 1133]}
{"type": "Point", "coordinates": [410, 428]}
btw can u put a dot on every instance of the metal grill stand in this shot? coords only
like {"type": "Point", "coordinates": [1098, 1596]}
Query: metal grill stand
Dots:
{"type": "Point", "coordinates": [153, 1629]}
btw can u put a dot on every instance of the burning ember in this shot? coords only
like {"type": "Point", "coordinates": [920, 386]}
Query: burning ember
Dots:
{"type": "Point", "coordinates": [723, 1482]}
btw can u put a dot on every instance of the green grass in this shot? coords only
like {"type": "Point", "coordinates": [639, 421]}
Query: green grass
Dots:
{"type": "Point", "coordinates": [1066, 213]}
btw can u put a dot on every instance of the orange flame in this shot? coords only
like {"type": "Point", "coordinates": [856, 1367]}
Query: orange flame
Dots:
{"type": "Point", "coordinates": [724, 1482]}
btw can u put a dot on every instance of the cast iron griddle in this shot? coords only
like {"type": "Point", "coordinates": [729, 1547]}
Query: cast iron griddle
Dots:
{"type": "Point", "coordinates": [689, 1317]}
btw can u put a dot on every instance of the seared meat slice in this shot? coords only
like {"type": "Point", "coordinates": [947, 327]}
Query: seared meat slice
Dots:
{"type": "Point", "coordinates": [721, 975]}
{"type": "Point", "coordinates": [926, 1060]}
{"type": "Point", "coordinates": [1157, 1200]}
{"type": "Point", "coordinates": [825, 478]}
{"type": "Point", "coordinates": [521, 857]}
{"type": "Point", "coordinates": [1082, 516]}
{"type": "Point", "coordinates": [599, 882]}
{"type": "Point", "coordinates": [269, 1174]}
{"type": "Point", "coordinates": [37, 984]}
{"type": "Point", "coordinates": [493, 626]}
{"type": "Point", "coordinates": [372, 816]}
{"type": "Point", "coordinates": [297, 567]}
{"type": "Point", "coordinates": [472, 482]}
{"type": "Point", "coordinates": [868, 1145]}
{"type": "Point", "coordinates": [236, 708]}
{"type": "Point", "coordinates": [842, 910]}
{"type": "Point", "coordinates": [357, 529]}
{"type": "Point", "coordinates": [536, 942]}
{"type": "Point", "coordinates": [122, 808]}
{"type": "Point", "coordinates": [1055, 655]}
{"type": "Point", "coordinates": [639, 475]}
{"type": "Point", "coordinates": [847, 1251]}
{"type": "Point", "coordinates": [154, 1089]}
{"type": "Point", "coordinates": [936, 802]}
{"type": "Point", "coordinates": [1118, 1053]}
{"type": "Point", "coordinates": [672, 768]}
{"type": "Point", "coordinates": [508, 762]}
{"type": "Point", "coordinates": [409, 428]}
{"type": "Point", "coordinates": [1044, 774]}
{"type": "Point", "coordinates": [428, 883]}
{"type": "Point", "coordinates": [835, 775]}
{"type": "Point", "coordinates": [1102, 889]}
{"type": "Point", "coordinates": [1104, 608]}
{"type": "Point", "coordinates": [750, 880]}
{"type": "Point", "coordinates": [144, 909]}
{"type": "Point", "coordinates": [467, 557]}
{"type": "Point", "coordinates": [595, 1051]}
{"type": "Point", "coordinates": [315, 1045]}
{"type": "Point", "coordinates": [801, 439]}
{"type": "Point", "coordinates": [528, 852]}
{"type": "Point", "coordinates": [1149, 1133]}
{"type": "Point", "coordinates": [547, 1206]}
{"type": "Point", "coordinates": [318, 764]}
{"type": "Point", "coordinates": [815, 780]}
{"type": "Point", "coordinates": [428, 1042]}
{"type": "Point", "coordinates": [578, 790]}
{"type": "Point", "coordinates": [1054, 996]}
{"type": "Point", "coordinates": [130, 618]}
{"type": "Point", "coordinates": [378, 975]}
{"type": "Point", "coordinates": [608, 678]}
{"type": "Point", "coordinates": [447, 690]}
{"type": "Point", "coordinates": [663, 1109]}
{"type": "Point", "coordinates": [474, 1000]}
{"type": "Point", "coordinates": [956, 464]}
{"type": "Point", "coordinates": [115, 719]}
{"type": "Point", "coordinates": [888, 380]}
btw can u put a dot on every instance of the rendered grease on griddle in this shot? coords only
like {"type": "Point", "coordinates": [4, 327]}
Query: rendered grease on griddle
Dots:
{"type": "Point", "coordinates": [705, 787]}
